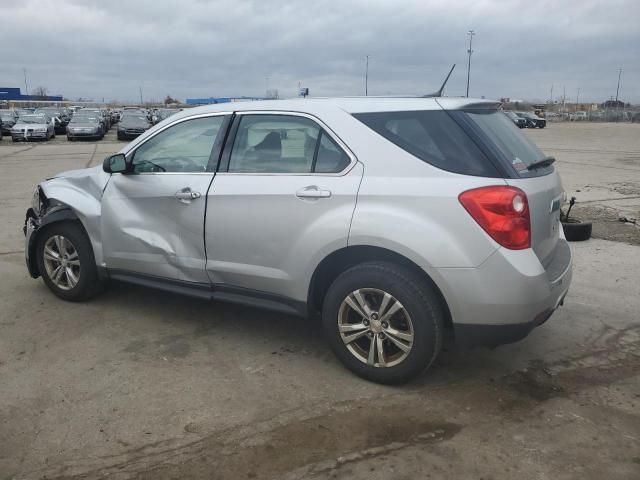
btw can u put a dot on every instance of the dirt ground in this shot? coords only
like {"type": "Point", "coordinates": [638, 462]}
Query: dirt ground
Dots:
{"type": "Point", "coordinates": [600, 166]}
{"type": "Point", "coordinates": [139, 384]}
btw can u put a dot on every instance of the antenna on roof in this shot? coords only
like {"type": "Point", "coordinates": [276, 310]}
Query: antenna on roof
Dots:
{"type": "Point", "coordinates": [439, 92]}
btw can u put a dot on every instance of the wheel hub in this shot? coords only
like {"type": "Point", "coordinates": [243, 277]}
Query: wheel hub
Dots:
{"type": "Point", "coordinates": [376, 325]}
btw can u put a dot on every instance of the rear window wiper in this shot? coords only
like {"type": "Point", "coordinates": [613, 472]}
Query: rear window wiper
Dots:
{"type": "Point", "coordinates": [543, 162]}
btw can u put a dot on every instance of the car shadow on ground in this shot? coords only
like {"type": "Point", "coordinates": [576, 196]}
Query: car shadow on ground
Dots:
{"type": "Point", "coordinates": [218, 326]}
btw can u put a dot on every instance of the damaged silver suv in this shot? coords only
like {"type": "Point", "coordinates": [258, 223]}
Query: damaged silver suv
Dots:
{"type": "Point", "coordinates": [400, 222]}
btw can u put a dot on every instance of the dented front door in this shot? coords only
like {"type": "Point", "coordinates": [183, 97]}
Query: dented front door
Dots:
{"type": "Point", "coordinates": [153, 217]}
{"type": "Point", "coordinates": [152, 225]}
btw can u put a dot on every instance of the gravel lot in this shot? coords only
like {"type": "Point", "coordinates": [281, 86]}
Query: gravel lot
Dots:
{"type": "Point", "coordinates": [141, 384]}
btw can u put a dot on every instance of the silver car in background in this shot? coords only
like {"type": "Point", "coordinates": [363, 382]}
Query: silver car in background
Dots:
{"type": "Point", "coordinates": [399, 222]}
{"type": "Point", "coordinates": [33, 126]}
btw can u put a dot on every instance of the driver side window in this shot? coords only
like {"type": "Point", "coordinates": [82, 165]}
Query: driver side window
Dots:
{"type": "Point", "coordinates": [185, 147]}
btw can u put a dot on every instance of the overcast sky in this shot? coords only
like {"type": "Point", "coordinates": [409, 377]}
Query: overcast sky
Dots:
{"type": "Point", "coordinates": [198, 48]}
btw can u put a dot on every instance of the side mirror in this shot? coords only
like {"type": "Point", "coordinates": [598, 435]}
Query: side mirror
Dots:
{"type": "Point", "coordinates": [115, 164]}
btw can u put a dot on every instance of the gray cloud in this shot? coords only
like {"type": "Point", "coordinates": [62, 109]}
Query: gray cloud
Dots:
{"type": "Point", "coordinates": [187, 48]}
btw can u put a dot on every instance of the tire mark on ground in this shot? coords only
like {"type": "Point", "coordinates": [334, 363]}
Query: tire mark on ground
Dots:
{"type": "Point", "coordinates": [18, 151]}
{"type": "Point", "coordinates": [95, 149]}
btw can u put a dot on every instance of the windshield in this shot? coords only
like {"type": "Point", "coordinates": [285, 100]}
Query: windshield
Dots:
{"type": "Point", "coordinates": [33, 119]}
{"type": "Point", "coordinates": [134, 119]}
{"type": "Point", "coordinates": [84, 119]}
{"type": "Point", "coordinates": [519, 151]}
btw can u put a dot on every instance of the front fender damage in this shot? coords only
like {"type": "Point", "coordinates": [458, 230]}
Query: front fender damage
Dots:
{"type": "Point", "coordinates": [74, 195]}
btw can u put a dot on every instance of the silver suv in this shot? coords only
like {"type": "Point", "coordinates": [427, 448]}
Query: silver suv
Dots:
{"type": "Point", "coordinates": [401, 222]}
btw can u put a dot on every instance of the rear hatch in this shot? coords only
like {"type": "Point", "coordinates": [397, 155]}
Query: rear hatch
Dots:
{"type": "Point", "coordinates": [525, 167]}
{"type": "Point", "coordinates": [477, 139]}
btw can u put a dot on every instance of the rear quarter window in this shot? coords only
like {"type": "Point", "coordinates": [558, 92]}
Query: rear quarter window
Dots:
{"type": "Point", "coordinates": [433, 137]}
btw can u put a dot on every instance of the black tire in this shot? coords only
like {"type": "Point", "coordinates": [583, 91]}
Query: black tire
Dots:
{"type": "Point", "coordinates": [89, 282]}
{"type": "Point", "coordinates": [577, 231]}
{"type": "Point", "coordinates": [417, 298]}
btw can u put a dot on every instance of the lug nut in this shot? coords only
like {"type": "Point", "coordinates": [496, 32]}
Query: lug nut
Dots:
{"type": "Point", "coordinates": [385, 325]}
{"type": "Point", "coordinates": [365, 323]}
{"type": "Point", "coordinates": [381, 335]}
{"type": "Point", "coordinates": [370, 334]}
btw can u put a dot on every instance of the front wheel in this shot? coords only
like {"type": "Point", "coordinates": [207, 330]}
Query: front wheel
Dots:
{"type": "Point", "coordinates": [66, 262]}
{"type": "Point", "coordinates": [383, 322]}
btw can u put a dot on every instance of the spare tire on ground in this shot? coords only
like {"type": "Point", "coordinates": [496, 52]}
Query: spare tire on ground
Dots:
{"type": "Point", "coordinates": [575, 230]}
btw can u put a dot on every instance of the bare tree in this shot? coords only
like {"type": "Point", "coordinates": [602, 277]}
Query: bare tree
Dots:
{"type": "Point", "coordinates": [170, 100]}
{"type": "Point", "coordinates": [40, 93]}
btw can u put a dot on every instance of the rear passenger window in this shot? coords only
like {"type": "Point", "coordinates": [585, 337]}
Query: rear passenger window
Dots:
{"type": "Point", "coordinates": [433, 137]}
{"type": "Point", "coordinates": [330, 158]}
{"type": "Point", "coordinates": [284, 144]}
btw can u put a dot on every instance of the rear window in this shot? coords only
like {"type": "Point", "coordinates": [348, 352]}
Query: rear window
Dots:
{"type": "Point", "coordinates": [433, 137]}
{"type": "Point", "coordinates": [501, 134]}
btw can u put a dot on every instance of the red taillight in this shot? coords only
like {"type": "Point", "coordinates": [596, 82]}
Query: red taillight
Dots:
{"type": "Point", "coordinates": [503, 212]}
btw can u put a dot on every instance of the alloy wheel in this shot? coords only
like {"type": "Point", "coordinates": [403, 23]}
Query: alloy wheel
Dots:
{"type": "Point", "coordinates": [61, 262]}
{"type": "Point", "coordinates": [375, 327]}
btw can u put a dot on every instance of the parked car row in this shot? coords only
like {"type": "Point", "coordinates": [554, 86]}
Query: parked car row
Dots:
{"type": "Point", "coordinates": [79, 122]}
{"type": "Point", "coordinates": [526, 119]}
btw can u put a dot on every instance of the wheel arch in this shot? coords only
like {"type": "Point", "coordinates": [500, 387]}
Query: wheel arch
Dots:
{"type": "Point", "coordinates": [57, 212]}
{"type": "Point", "coordinates": [340, 260]}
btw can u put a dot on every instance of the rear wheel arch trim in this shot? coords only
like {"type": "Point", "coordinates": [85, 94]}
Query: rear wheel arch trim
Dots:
{"type": "Point", "coordinates": [338, 261]}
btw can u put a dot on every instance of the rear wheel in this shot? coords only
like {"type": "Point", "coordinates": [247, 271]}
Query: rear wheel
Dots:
{"type": "Point", "coordinates": [66, 262]}
{"type": "Point", "coordinates": [383, 322]}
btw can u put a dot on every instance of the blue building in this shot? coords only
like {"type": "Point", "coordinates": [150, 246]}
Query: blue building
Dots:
{"type": "Point", "coordinates": [13, 93]}
{"type": "Point", "coordinates": [214, 100]}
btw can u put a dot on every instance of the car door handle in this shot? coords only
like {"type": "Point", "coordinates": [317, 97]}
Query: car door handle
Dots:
{"type": "Point", "coordinates": [313, 191]}
{"type": "Point", "coordinates": [186, 195]}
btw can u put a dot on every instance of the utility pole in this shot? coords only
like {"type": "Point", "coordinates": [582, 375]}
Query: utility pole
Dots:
{"type": "Point", "coordinates": [266, 83]}
{"type": "Point", "coordinates": [617, 92]}
{"type": "Point", "coordinates": [26, 85]}
{"type": "Point", "coordinates": [471, 33]}
{"type": "Point", "coordinates": [551, 98]}
{"type": "Point", "coordinates": [140, 88]}
{"type": "Point", "coordinates": [366, 78]}
{"type": "Point", "coordinates": [618, 87]}
{"type": "Point", "coordinates": [577, 99]}
{"type": "Point", "coordinates": [564, 97]}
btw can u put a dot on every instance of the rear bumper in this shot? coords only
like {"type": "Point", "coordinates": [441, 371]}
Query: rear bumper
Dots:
{"type": "Point", "coordinates": [507, 296]}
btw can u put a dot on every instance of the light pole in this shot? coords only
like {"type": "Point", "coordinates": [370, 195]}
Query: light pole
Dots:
{"type": "Point", "coordinates": [366, 78]}
{"type": "Point", "coordinates": [26, 85]}
{"type": "Point", "coordinates": [471, 33]}
{"type": "Point", "coordinates": [140, 88]}
{"type": "Point", "coordinates": [577, 99]}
